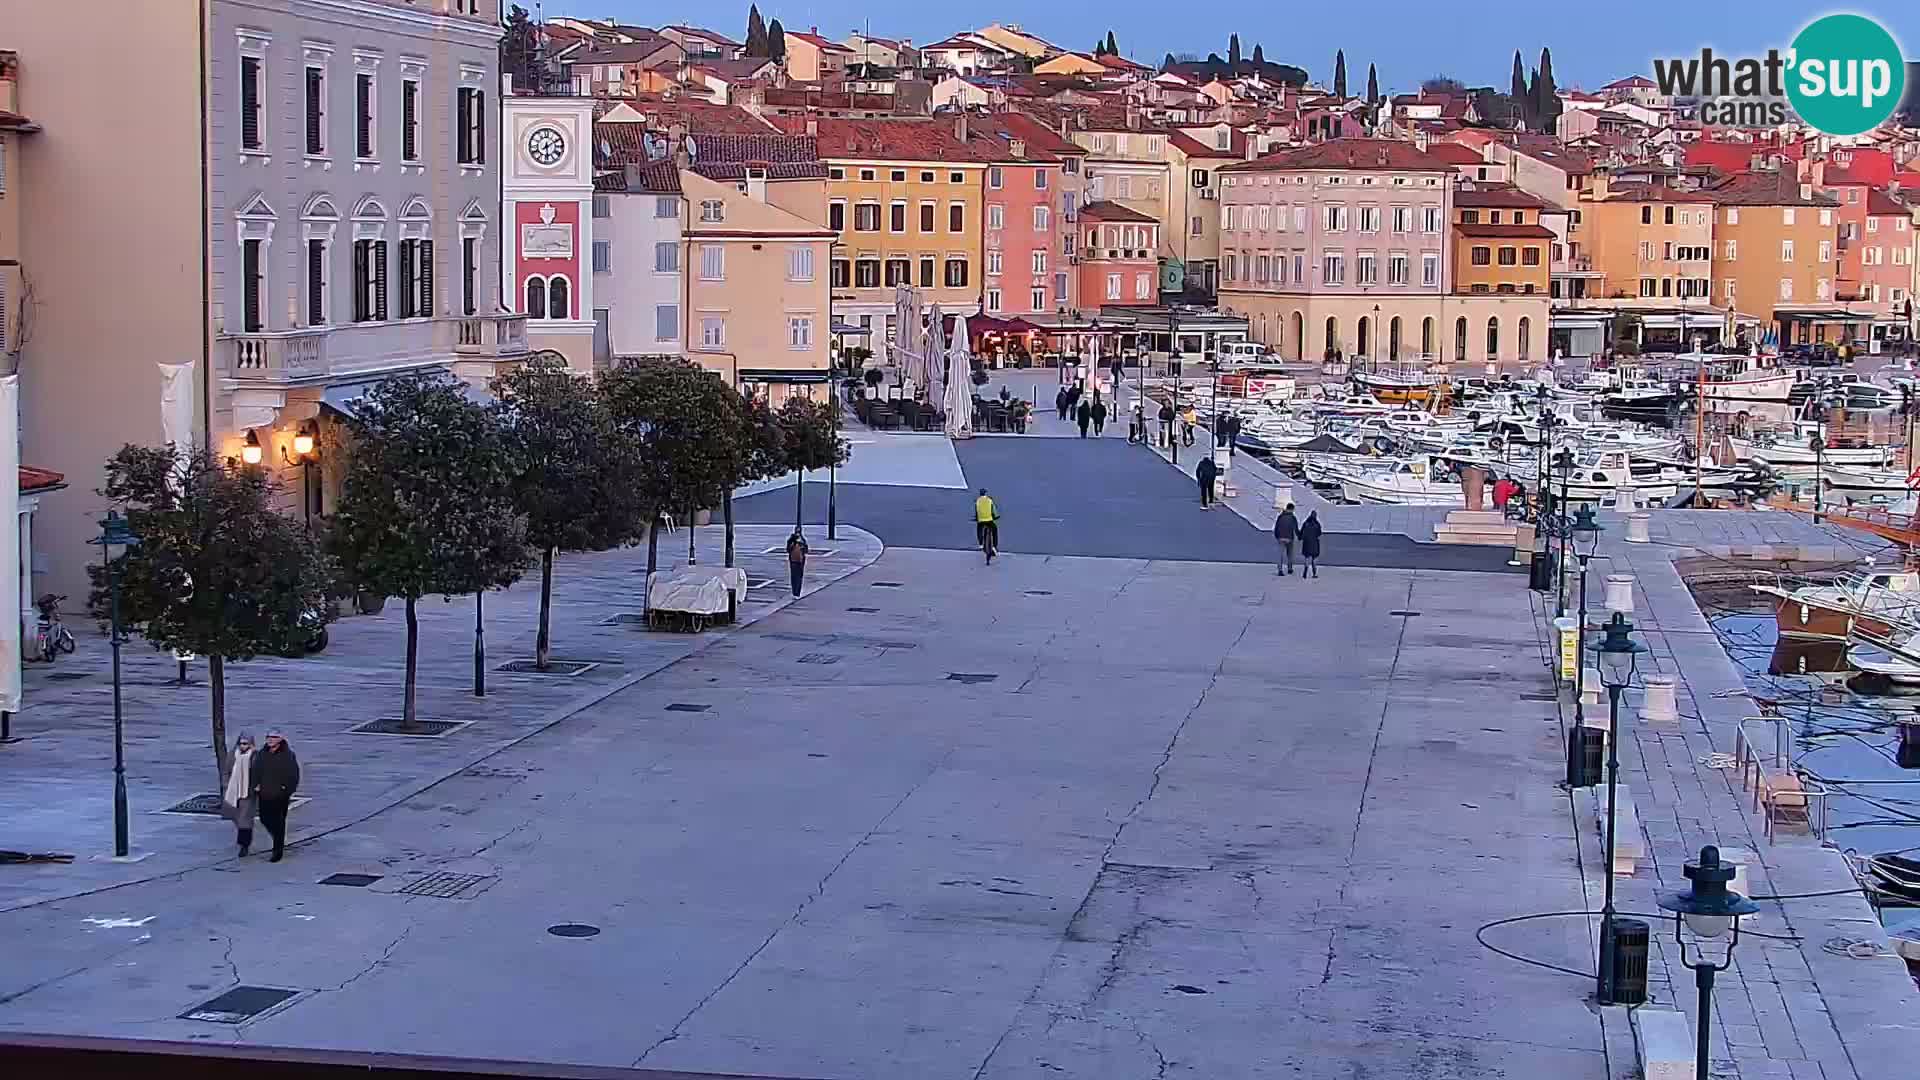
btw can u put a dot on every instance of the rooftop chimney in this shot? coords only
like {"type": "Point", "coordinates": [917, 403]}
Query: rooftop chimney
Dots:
{"type": "Point", "coordinates": [960, 126]}
{"type": "Point", "coordinates": [1017, 147]}
{"type": "Point", "coordinates": [813, 127]}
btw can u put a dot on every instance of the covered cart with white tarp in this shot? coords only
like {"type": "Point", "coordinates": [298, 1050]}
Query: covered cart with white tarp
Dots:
{"type": "Point", "coordinates": [693, 598]}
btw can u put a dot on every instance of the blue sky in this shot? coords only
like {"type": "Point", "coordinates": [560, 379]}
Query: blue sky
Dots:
{"type": "Point", "coordinates": [1593, 42]}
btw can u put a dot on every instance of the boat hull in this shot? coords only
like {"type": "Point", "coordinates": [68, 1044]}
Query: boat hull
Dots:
{"type": "Point", "coordinates": [1811, 619]}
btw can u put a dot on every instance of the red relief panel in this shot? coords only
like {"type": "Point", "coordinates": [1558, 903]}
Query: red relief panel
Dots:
{"type": "Point", "coordinates": [547, 240]}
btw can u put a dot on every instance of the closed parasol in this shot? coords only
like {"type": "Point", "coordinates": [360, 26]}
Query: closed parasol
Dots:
{"type": "Point", "coordinates": [959, 383]}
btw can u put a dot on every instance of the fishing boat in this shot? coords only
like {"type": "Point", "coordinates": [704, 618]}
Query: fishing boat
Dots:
{"type": "Point", "coordinates": [1872, 604]}
{"type": "Point", "coordinates": [1853, 478]}
{"type": "Point", "coordinates": [1640, 398]}
{"type": "Point", "coordinates": [1795, 447]}
{"type": "Point", "coordinates": [1430, 480]}
{"type": "Point", "coordinates": [1396, 384]}
{"type": "Point", "coordinates": [1736, 382]}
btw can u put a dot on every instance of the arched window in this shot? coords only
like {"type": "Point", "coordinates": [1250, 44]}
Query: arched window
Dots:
{"type": "Point", "coordinates": [1526, 338]}
{"type": "Point", "coordinates": [1460, 338]}
{"type": "Point", "coordinates": [1333, 335]}
{"type": "Point", "coordinates": [557, 301]}
{"type": "Point", "coordinates": [1493, 337]}
{"type": "Point", "coordinates": [1299, 337]}
{"type": "Point", "coordinates": [1426, 336]}
{"type": "Point", "coordinates": [1393, 339]}
{"type": "Point", "coordinates": [536, 298]}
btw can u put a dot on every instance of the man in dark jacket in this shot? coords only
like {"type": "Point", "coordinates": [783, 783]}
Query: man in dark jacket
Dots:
{"type": "Point", "coordinates": [276, 776]}
{"type": "Point", "coordinates": [1232, 424]}
{"type": "Point", "coordinates": [1085, 417]}
{"type": "Point", "coordinates": [1166, 423]}
{"type": "Point", "coordinates": [797, 559]}
{"type": "Point", "coordinates": [1206, 472]}
{"type": "Point", "coordinates": [1060, 403]}
{"type": "Point", "coordinates": [1099, 415]}
{"type": "Point", "coordinates": [1285, 531]}
{"type": "Point", "coordinates": [1310, 544]}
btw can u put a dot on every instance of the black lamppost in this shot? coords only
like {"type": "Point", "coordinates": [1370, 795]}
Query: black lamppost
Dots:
{"type": "Point", "coordinates": [1709, 908]}
{"type": "Point", "coordinates": [1617, 654]}
{"type": "Point", "coordinates": [114, 532]}
{"type": "Point", "coordinates": [1173, 369]}
{"type": "Point", "coordinates": [1213, 372]}
{"type": "Point", "coordinates": [1563, 464]}
{"type": "Point", "coordinates": [833, 494]}
{"type": "Point", "coordinates": [1817, 412]}
{"type": "Point", "coordinates": [1586, 540]}
{"type": "Point", "coordinates": [304, 454]}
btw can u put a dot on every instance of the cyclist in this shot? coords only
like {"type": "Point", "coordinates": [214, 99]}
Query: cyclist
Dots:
{"type": "Point", "coordinates": [986, 527]}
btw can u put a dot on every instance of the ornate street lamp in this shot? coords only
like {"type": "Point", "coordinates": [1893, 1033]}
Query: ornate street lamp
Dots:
{"type": "Point", "coordinates": [305, 453]}
{"type": "Point", "coordinates": [115, 532]}
{"type": "Point", "coordinates": [251, 451]}
{"type": "Point", "coordinates": [1617, 653]}
{"type": "Point", "coordinates": [1709, 908]}
{"type": "Point", "coordinates": [1563, 463]}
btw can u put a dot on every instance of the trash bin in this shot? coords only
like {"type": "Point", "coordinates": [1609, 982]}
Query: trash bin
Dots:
{"type": "Point", "coordinates": [1540, 572]}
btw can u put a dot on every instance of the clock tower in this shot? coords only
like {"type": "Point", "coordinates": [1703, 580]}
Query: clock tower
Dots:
{"type": "Point", "coordinates": [547, 196]}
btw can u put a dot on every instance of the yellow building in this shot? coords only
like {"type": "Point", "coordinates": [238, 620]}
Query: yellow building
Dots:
{"type": "Point", "coordinates": [1650, 244]}
{"type": "Point", "coordinates": [905, 198]}
{"type": "Point", "coordinates": [1774, 242]}
{"type": "Point", "coordinates": [1500, 245]}
{"type": "Point", "coordinates": [759, 309]}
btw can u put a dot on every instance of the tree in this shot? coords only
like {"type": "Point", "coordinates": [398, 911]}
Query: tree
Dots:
{"type": "Point", "coordinates": [811, 434]}
{"type": "Point", "coordinates": [427, 505]}
{"type": "Point", "coordinates": [776, 42]}
{"type": "Point", "coordinates": [520, 50]}
{"type": "Point", "coordinates": [1167, 64]}
{"type": "Point", "coordinates": [1339, 73]}
{"type": "Point", "coordinates": [1112, 49]}
{"type": "Point", "coordinates": [1519, 90]}
{"type": "Point", "coordinates": [1442, 84]}
{"type": "Point", "coordinates": [1373, 86]}
{"type": "Point", "coordinates": [1259, 58]}
{"type": "Point", "coordinates": [1546, 96]}
{"type": "Point", "coordinates": [1233, 50]}
{"type": "Point", "coordinates": [756, 32]}
{"type": "Point", "coordinates": [572, 486]}
{"type": "Point", "coordinates": [217, 571]}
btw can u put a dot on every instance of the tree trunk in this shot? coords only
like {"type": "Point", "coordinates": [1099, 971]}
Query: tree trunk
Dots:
{"type": "Point", "coordinates": [413, 662]}
{"type": "Point", "coordinates": [480, 643]}
{"type": "Point", "coordinates": [692, 532]}
{"type": "Point", "coordinates": [799, 497]}
{"type": "Point", "coordinates": [543, 641]}
{"type": "Point", "coordinates": [653, 563]}
{"type": "Point", "coordinates": [726, 511]}
{"type": "Point", "coordinates": [217, 685]}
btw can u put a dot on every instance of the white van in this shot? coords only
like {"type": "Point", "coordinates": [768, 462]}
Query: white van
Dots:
{"type": "Point", "coordinates": [1243, 352]}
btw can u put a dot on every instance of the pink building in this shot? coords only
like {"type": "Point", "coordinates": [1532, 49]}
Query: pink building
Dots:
{"type": "Point", "coordinates": [1033, 193]}
{"type": "Point", "coordinates": [1119, 256]}
{"type": "Point", "coordinates": [1875, 246]}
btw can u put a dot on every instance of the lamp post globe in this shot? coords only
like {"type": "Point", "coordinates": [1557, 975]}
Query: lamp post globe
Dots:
{"type": "Point", "coordinates": [1616, 653]}
{"type": "Point", "coordinates": [1709, 908]}
{"type": "Point", "coordinates": [1586, 535]}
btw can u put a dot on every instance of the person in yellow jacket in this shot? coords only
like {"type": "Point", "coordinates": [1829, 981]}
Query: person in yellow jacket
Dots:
{"type": "Point", "coordinates": [986, 523]}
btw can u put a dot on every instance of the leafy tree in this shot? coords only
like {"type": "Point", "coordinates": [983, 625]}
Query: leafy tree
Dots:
{"type": "Point", "coordinates": [1546, 96]}
{"type": "Point", "coordinates": [1214, 63]}
{"type": "Point", "coordinates": [218, 570]}
{"type": "Point", "coordinates": [1518, 92]}
{"type": "Point", "coordinates": [1112, 49]}
{"type": "Point", "coordinates": [1442, 84]}
{"type": "Point", "coordinates": [428, 500]}
{"type": "Point", "coordinates": [520, 49]}
{"type": "Point", "coordinates": [766, 455]}
{"type": "Point", "coordinates": [811, 435]}
{"type": "Point", "coordinates": [1259, 58]}
{"type": "Point", "coordinates": [572, 484]}
{"type": "Point", "coordinates": [1339, 73]}
{"type": "Point", "coordinates": [1233, 50]}
{"type": "Point", "coordinates": [756, 32]}
{"type": "Point", "coordinates": [776, 42]}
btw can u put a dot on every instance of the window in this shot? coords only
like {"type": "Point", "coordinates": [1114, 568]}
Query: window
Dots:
{"type": "Point", "coordinates": [1509, 256]}
{"type": "Point", "coordinates": [956, 217]}
{"type": "Point", "coordinates": [1397, 268]}
{"type": "Point", "coordinates": [1469, 217]}
{"type": "Point", "coordinates": [898, 272]}
{"type": "Point", "coordinates": [1429, 269]}
{"type": "Point", "coordinates": [1530, 256]}
{"type": "Point", "coordinates": [1482, 256]}
{"type": "Point", "coordinates": [1668, 216]}
{"type": "Point", "coordinates": [866, 174]}
{"type": "Point", "coordinates": [841, 274]}
{"type": "Point", "coordinates": [666, 322]}
{"type": "Point", "coordinates": [837, 215]}
{"type": "Point", "coordinates": [1071, 166]}
{"type": "Point", "coordinates": [253, 286]}
{"type": "Point", "coordinates": [836, 173]}
{"type": "Point", "coordinates": [469, 269]}
{"type": "Point", "coordinates": [1041, 219]}
{"type": "Point", "coordinates": [926, 271]}
{"type": "Point", "coordinates": [897, 217]}
{"type": "Point", "coordinates": [996, 217]}
{"type": "Point", "coordinates": [1039, 184]}
{"type": "Point", "coordinates": [994, 179]}
{"type": "Point", "coordinates": [1333, 269]}
{"type": "Point", "coordinates": [1786, 251]}
{"type": "Point", "coordinates": [363, 144]}
{"type": "Point", "coordinates": [866, 273]}
{"type": "Point", "coordinates": [1646, 215]}
{"type": "Point", "coordinates": [1786, 288]}
{"type": "Point", "coordinates": [866, 217]}
{"type": "Point", "coordinates": [416, 279]}
{"type": "Point", "coordinates": [1826, 251]}
{"type": "Point", "coordinates": [1336, 219]}
{"type": "Point", "coordinates": [799, 263]}
{"type": "Point", "coordinates": [926, 177]}
{"type": "Point", "coordinates": [993, 299]}
{"type": "Point", "coordinates": [666, 206]}
{"type": "Point", "coordinates": [603, 256]}
{"type": "Point", "coordinates": [1649, 287]}
{"type": "Point", "coordinates": [955, 178]}
{"type": "Point", "coordinates": [316, 282]}
{"type": "Point", "coordinates": [1299, 267]}
{"type": "Point", "coordinates": [956, 273]}
{"type": "Point", "coordinates": [316, 110]}
{"type": "Point", "coordinates": [1059, 290]}
{"type": "Point", "coordinates": [666, 257]}
{"type": "Point", "coordinates": [1260, 269]}
{"type": "Point", "coordinates": [471, 102]}
{"type": "Point", "coordinates": [1786, 214]}
{"type": "Point", "coordinates": [251, 102]}
{"type": "Point", "coordinates": [1369, 219]}
{"type": "Point", "coordinates": [713, 332]}
{"type": "Point", "coordinates": [927, 212]}
{"type": "Point", "coordinates": [800, 332]}
{"type": "Point", "coordinates": [410, 120]}
{"type": "Point", "coordinates": [1142, 286]}
{"type": "Point", "coordinates": [1366, 269]}
{"type": "Point", "coordinates": [1726, 286]}
{"type": "Point", "coordinates": [536, 298]}
{"type": "Point", "coordinates": [898, 176]}
{"type": "Point", "coordinates": [1430, 222]}
{"type": "Point", "coordinates": [712, 211]}
{"type": "Point", "coordinates": [993, 264]}
{"type": "Point", "coordinates": [1496, 218]}
{"type": "Point", "coordinates": [370, 282]}
{"type": "Point", "coordinates": [1402, 218]}
{"type": "Point", "coordinates": [713, 262]}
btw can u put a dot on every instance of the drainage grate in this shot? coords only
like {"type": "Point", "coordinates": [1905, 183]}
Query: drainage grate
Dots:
{"type": "Point", "coordinates": [554, 667]}
{"type": "Point", "coordinates": [624, 618]}
{"type": "Point", "coordinates": [865, 610]}
{"type": "Point", "coordinates": [1039, 592]}
{"type": "Point", "coordinates": [819, 658]}
{"type": "Point", "coordinates": [1403, 614]}
{"type": "Point", "coordinates": [493, 772]}
{"type": "Point", "coordinates": [573, 929]}
{"type": "Point", "coordinates": [970, 677]}
{"type": "Point", "coordinates": [66, 676]}
{"type": "Point", "coordinates": [352, 881]}
{"type": "Point", "coordinates": [687, 706]}
{"type": "Point", "coordinates": [444, 884]}
{"type": "Point", "coordinates": [419, 729]}
{"type": "Point", "coordinates": [240, 1004]}
{"type": "Point", "coordinates": [889, 584]}
{"type": "Point", "coordinates": [198, 804]}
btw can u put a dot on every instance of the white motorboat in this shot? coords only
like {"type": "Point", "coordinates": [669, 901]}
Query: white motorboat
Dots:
{"type": "Point", "coordinates": [1855, 478]}
{"type": "Point", "coordinates": [1425, 481]}
{"type": "Point", "coordinates": [1598, 473]}
{"type": "Point", "coordinates": [1735, 382]}
{"type": "Point", "coordinates": [1636, 396]}
{"type": "Point", "coordinates": [1350, 405]}
{"type": "Point", "coordinates": [1797, 449]}
{"type": "Point", "coordinates": [1882, 671]}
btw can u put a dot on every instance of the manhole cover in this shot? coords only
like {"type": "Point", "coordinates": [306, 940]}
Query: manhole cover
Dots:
{"type": "Point", "coordinates": [198, 804]}
{"type": "Point", "coordinates": [554, 667]}
{"type": "Point", "coordinates": [1039, 592]}
{"type": "Point", "coordinates": [819, 658]}
{"type": "Point", "coordinates": [687, 706]}
{"type": "Point", "coordinates": [240, 1004]}
{"type": "Point", "coordinates": [444, 884]}
{"type": "Point", "coordinates": [889, 584]}
{"type": "Point", "coordinates": [66, 676]}
{"type": "Point", "coordinates": [865, 610]}
{"type": "Point", "coordinates": [419, 729]}
{"type": "Point", "coordinates": [970, 677]}
{"type": "Point", "coordinates": [352, 881]}
{"type": "Point", "coordinates": [573, 929]}
{"type": "Point", "coordinates": [1403, 614]}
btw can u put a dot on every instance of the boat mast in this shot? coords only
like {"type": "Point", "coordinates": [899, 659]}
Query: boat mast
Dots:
{"type": "Point", "coordinates": [1700, 429]}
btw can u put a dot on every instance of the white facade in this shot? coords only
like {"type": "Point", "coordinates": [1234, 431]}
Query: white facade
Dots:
{"type": "Point", "coordinates": [643, 289]}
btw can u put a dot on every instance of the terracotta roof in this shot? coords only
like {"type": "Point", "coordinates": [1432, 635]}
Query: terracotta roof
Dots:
{"type": "Point", "coordinates": [1036, 133]}
{"type": "Point", "coordinates": [699, 117]}
{"type": "Point", "coordinates": [636, 52]}
{"type": "Point", "coordinates": [32, 479]}
{"type": "Point", "coordinates": [745, 67]}
{"type": "Point", "coordinates": [1630, 82]}
{"type": "Point", "coordinates": [1454, 153]}
{"type": "Point", "coordinates": [957, 42]}
{"type": "Point", "coordinates": [818, 96]}
{"type": "Point", "coordinates": [1349, 155]}
{"type": "Point", "coordinates": [1550, 150]}
{"type": "Point", "coordinates": [1655, 193]}
{"type": "Point", "coordinates": [650, 178]}
{"type": "Point", "coordinates": [1879, 202]}
{"type": "Point", "coordinates": [1764, 189]}
{"type": "Point", "coordinates": [1113, 211]}
{"type": "Point", "coordinates": [1506, 232]}
{"type": "Point", "coordinates": [1500, 196]}
{"type": "Point", "coordinates": [16, 121]}
{"type": "Point", "coordinates": [1118, 63]}
{"type": "Point", "coordinates": [1193, 147]}
{"type": "Point", "coordinates": [784, 157]}
{"type": "Point", "coordinates": [705, 35]}
{"type": "Point", "coordinates": [897, 140]}
{"type": "Point", "coordinates": [819, 42]}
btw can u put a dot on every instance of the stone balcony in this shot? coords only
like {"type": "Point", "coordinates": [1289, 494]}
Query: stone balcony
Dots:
{"type": "Point", "coordinates": [316, 354]}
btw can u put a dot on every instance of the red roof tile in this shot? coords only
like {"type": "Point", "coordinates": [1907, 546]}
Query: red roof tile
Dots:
{"type": "Point", "coordinates": [1454, 153]}
{"type": "Point", "coordinates": [32, 479]}
{"type": "Point", "coordinates": [1509, 232]}
{"type": "Point", "coordinates": [695, 115]}
{"type": "Point", "coordinates": [1192, 147]}
{"type": "Point", "coordinates": [819, 42]}
{"type": "Point", "coordinates": [1113, 211]}
{"type": "Point", "coordinates": [1351, 155]}
{"type": "Point", "coordinates": [896, 140]}
{"type": "Point", "coordinates": [1765, 189]}
{"type": "Point", "coordinates": [1500, 196]}
{"type": "Point", "coordinates": [1879, 203]}
{"type": "Point", "coordinates": [1655, 193]}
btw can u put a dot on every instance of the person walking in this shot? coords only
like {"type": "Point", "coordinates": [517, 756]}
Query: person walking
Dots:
{"type": "Point", "coordinates": [1286, 529]}
{"type": "Point", "coordinates": [1187, 420]}
{"type": "Point", "coordinates": [797, 559]}
{"type": "Point", "coordinates": [1207, 472]}
{"type": "Point", "coordinates": [275, 776]}
{"type": "Point", "coordinates": [237, 800]}
{"type": "Point", "coordinates": [1166, 423]}
{"type": "Point", "coordinates": [1085, 417]}
{"type": "Point", "coordinates": [1099, 415]}
{"type": "Point", "coordinates": [1232, 426]}
{"type": "Point", "coordinates": [1310, 532]}
{"type": "Point", "coordinates": [1060, 402]}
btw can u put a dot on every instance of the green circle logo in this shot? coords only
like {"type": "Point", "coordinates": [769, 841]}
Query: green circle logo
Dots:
{"type": "Point", "coordinates": [1845, 75]}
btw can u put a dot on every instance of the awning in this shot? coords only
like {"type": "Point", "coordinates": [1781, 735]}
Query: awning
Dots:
{"type": "Point", "coordinates": [987, 324]}
{"type": "Point", "coordinates": [852, 329]}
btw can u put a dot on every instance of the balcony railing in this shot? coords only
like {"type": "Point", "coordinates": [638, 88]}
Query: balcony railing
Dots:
{"type": "Point", "coordinates": [310, 353]}
{"type": "Point", "coordinates": [281, 356]}
{"type": "Point", "coordinates": [490, 335]}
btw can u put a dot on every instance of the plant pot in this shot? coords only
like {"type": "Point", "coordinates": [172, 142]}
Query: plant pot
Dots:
{"type": "Point", "coordinates": [703, 517]}
{"type": "Point", "coordinates": [368, 603]}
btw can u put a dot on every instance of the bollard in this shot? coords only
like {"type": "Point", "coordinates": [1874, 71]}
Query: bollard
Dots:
{"type": "Point", "coordinates": [1620, 594]}
{"type": "Point", "coordinates": [1282, 495]}
{"type": "Point", "coordinates": [1522, 545]}
{"type": "Point", "coordinates": [1740, 859]}
{"type": "Point", "coordinates": [1660, 705]}
{"type": "Point", "coordinates": [1637, 528]}
{"type": "Point", "coordinates": [1626, 499]}
{"type": "Point", "coordinates": [1591, 691]}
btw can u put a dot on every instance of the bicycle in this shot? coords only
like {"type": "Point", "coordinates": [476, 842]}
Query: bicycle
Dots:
{"type": "Point", "coordinates": [988, 534]}
{"type": "Point", "coordinates": [51, 637]}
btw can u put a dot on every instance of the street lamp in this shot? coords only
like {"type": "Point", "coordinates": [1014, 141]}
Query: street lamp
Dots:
{"type": "Point", "coordinates": [1817, 412]}
{"type": "Point", "coordinates": [1618, 654]}
{"type": "Point", "coordinates": [1173, 369]}
{"type": "Point", "coordinates": [251, 452]}
{"type": "Point", "coordinates": [1586, 539]}
{"type": "Point", "coordinates": [1709, 908]}
{"type": "Point", "coordinates": [115, 532]}
{"type": "Point", "coordinates": [304, 454]}
{"type": "Point", "coordinates": [1563, 464]}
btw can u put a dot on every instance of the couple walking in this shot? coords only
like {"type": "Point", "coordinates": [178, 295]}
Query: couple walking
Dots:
{"type": "Point", "coordinates": [1289, 529]}
{"type": "Point", "coordinates": [261, 780]}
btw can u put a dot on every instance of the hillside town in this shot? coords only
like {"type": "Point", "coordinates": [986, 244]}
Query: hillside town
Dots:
{"type": "Point", "coordinates": [553, 546]}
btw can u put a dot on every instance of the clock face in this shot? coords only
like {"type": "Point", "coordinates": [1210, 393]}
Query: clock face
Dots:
{"type": "Point", "coordinates": [546, 145]}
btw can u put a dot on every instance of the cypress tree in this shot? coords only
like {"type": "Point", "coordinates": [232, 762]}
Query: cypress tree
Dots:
{"type": "Point", "coordinates": [1259, 57]}
{"type": "Point", "coordinates": [1339, 73]}
{"type": "Point", "coordinates": [1373, 86]}
{"type": "Point", "coordinates": [1112, 49]}
{"type": "Point", "coordinates": [776, 42]}
{"type": "Point", "coordinates": [1233, 50]}
{"type": "Point", "coordinates": [1519, 92]}
{"type": "Point", "coordinates": [1546, 98]}
{"type": "Point", "coordinates": [756, 32]}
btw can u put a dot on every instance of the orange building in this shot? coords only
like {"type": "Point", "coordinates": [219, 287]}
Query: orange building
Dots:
{"type": "Point", "coordinates": [1500, 244]}
{"type": "Point", "coordinates": [1651, 243]}
{"type": "Point", "coordinates": [1119, 255]}
{"type": "Point", "coordinates": [1774, 247]}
